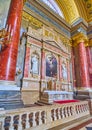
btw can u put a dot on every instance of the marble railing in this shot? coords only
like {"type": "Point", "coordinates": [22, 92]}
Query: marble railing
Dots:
{"type": "Point", "coordinates": [43, 117]}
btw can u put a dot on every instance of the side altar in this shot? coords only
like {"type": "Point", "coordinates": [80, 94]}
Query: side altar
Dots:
{"type": "Point", "coordinates": [47, 64]}
{"type": "Point", "coordinates": [49, 96]}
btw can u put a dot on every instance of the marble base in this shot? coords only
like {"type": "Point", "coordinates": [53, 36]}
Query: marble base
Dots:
{"type": "Point", "coordinates": [10, 95]}
{"type": "Point", "coordinates": [8, 85]}
{"type": "Point", "coordinates": [30, 96]}
{"type": "Point", "coordinates": [50, 96]}
{"type": "Point", "coordinates": [8, 90]}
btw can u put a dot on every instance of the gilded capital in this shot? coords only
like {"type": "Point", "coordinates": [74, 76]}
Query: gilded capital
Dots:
{"type": "Point", "coordinates": [78, 38]}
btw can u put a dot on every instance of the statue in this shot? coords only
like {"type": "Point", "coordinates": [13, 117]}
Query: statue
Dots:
{"type": "Point", "coordinates": [64, 71]}
{"type": "Point", "coordinates": [34, 65]}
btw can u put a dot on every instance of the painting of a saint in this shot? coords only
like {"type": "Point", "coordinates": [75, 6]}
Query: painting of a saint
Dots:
{"type": "Point", "coordinates": [51, 66]}
{"type": "Point", "coordinates": [35, 64]}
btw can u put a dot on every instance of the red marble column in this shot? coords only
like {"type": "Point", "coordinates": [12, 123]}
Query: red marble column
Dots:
{"type": "Point", "coordinates": [89, 64]}
{"type": "Point", "coordinates": [43, 64]}
{"type": "Point", "coordinates": [83, 65]}
{"type": "Point", "coordinates": [9, 54]}
{"type": "Point", "coordinates": [60, 68]}
{"type": "Point", "coordinates": [27, 62]}
{"type": "Point", "coordinates": [88, 55]}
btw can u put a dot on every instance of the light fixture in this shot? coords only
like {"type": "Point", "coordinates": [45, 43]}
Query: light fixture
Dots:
{"type": "Point", "coordinates": [5, 36]}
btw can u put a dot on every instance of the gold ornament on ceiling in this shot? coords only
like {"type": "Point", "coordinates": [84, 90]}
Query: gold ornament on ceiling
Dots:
{"type": "Point", "coordinates": [69, 10]}
{"type": "Point", "coordinates": [88, 5]}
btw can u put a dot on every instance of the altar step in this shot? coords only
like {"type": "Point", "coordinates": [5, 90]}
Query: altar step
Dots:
{"type": "Point", "coordinates": [10, 100]}
{"type": "Point", "coordinates": [83, 95]}
{"type": "Point", "coordinates": [11, 104]}
{"type": "Point", "coordinates": [42, 103]}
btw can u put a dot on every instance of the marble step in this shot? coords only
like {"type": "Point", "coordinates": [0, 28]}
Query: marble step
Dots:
{"type": "Point", "coordinates": [10, 100]}
{"type": "Point", "coordinates": [42, 103]}
{"type": "Point", "coordinates": [82, 97]}
{"type": "Point", "coordinates": [11, 104]}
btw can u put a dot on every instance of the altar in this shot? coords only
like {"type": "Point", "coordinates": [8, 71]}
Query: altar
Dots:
{"type": "Point", "coordinates": [51, 96]}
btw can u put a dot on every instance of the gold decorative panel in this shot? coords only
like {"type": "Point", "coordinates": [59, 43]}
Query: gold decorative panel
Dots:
{"type": "Point", "coordinates": [34, 22]}
{"type": "Point", "coordinates": [73, 9]}
{"type": "Point", "coordinates": [88, 5]}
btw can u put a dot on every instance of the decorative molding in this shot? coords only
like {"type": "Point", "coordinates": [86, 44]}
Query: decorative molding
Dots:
{"type": "Point", "coordinates": [79, 26]}
{"type": "Point", "coordinates": [47, 18]}
{"type": "Point", "coordinates": [33, 21]}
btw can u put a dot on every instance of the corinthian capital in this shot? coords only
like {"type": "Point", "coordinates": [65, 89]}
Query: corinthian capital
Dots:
{"type": "Point", "coordinates": [78, 38]}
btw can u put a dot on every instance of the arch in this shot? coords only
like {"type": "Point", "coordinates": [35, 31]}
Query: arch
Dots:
{"type": "Point", "coordinates": [69, 10]}
{"type": "Point", "coordinates": [53, 5]}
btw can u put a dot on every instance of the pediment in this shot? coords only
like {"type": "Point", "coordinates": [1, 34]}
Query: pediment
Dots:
{"type": "Point", "coordinates": [53, 43]}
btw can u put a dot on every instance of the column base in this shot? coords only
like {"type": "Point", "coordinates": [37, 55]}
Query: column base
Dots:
{"type": "Point", "coordinates": [10, 96]}
{"type": "Point", "coordinates": [8, 85]}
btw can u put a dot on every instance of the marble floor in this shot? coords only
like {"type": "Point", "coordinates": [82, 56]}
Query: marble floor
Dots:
{"type": "Point", "coordinates": [84, 126]}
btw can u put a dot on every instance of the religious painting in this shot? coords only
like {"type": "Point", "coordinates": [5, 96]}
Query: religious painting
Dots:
{"type": "Point", "coordinates": [64, 71]}
{"type": "Point", "coordinates": [4, 7]}
{"type": "Point", "coordinates": [51, 66]}
{"type": "Point", "coordinates": [35, 64]}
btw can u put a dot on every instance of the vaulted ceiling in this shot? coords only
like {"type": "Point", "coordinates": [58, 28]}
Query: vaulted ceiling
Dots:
{"type": "Point", "coordinates": [74, 9]}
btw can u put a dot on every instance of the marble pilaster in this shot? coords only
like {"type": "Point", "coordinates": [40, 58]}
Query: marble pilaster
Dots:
{"type": "Point", "coordinates": [43, 64]}
{"type": "Point", "coordinates": [60, 68]}
{"type": "Point", "coordinates": [27, 59]}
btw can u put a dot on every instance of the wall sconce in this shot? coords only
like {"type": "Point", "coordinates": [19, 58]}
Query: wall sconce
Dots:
{"type": "Point", "coordinates": [5, 36]}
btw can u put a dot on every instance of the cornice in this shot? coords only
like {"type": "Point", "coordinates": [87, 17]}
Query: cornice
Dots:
{"type": "Point", "coordinates": [46, 10]}
{"type": "Point", "coordinates": [79, 26]}
{"type": "Point", "coordinates": [54, 15]}
{"type": "Point", "coordinates": [89, 32]}
{"type": "Point", "coordinates": [79, 21]}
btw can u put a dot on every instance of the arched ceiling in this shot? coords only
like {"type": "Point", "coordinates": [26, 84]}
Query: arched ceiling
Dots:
{"type": "Point", "coordinates": [74, 9]}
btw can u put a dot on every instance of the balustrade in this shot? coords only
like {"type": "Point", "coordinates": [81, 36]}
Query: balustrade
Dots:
{"type": "Point", "coordinates": [20, 123]}
{"type": "Point", "coordinates": [31, 120]}
{"type": "Point", "coordinates": [38, 116]}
